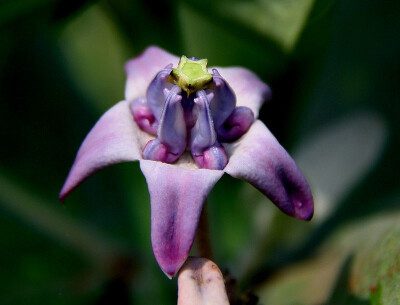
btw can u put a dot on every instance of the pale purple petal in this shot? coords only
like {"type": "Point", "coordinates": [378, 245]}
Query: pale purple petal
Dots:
{"type": "Point", "coordinates": [177, 196]}
{"type": "Point", "coordinates": [143, 68]}
{"type": "Point", "coordinates": [250, 91]}
{"type": "Point", "coordinates": [112, 140]}
{"type": "Point", "coordinates": [258, 158]}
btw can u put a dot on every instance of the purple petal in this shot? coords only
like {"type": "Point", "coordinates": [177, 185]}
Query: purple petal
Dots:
{"type": "Point", "coordinates": [112, 140]}
{"type": "Point", "coordinates": [258, 158]}
{"type": "Point", "coordinates": [177, 196]}
{"type": "Point", "coordinates": [143, 68]}
{"type": "Point", "coordinates": [250, 91]}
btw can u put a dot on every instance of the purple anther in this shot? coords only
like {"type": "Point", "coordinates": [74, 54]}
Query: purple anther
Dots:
{"type": "Point", "coordinates": [203, 133]}
{"type": "Point", "coordinates": [224, 101]}
{"type": "Point", "coordinates": [236, 125]}
{"type": "Point", "coordinates": [155, 96]}
{"type": "Point", "coordinates": [171, 135]}
{"type": "Point", "coordinates": [214, 157]}
{"type": "Point", "coordinates": [157, 151]}
{"type": "Point", "coordinates": [206, 150]}
{"type": "Point", "coordinates": [144, 116]}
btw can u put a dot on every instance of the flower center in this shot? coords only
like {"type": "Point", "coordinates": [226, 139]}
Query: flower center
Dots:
{"type": "Point", "coordinates": [198, 122]}
{"type": "Point", "coordinates": [191, 75]}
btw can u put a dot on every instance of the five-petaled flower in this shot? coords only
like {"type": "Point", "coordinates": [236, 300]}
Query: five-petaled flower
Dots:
{"type": "Point", "coordinates": [210, 119]}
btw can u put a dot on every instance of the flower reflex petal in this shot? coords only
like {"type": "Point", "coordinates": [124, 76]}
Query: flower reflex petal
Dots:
{"type": "Point", "coordinates": [177, 197]}
{"type": "Point", "coordinates": [112, 140]}
{"type": "Point", "coordinates": [259, 159]}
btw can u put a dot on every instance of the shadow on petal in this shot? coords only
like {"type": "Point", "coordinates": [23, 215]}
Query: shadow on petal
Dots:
{"type": "Point", "coordinates": [177, 197]}
{"type": "Point", "coordinates": [259, 159]}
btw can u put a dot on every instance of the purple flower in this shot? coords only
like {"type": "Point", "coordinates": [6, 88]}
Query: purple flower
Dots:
{"type": "Point", "coordinates": [210, 119]}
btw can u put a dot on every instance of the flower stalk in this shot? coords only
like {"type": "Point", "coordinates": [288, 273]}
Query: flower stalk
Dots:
{"type": "Point", "coordinates": [203, 240]}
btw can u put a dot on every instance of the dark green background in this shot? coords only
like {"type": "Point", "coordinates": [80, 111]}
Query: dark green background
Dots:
{"type": "Point", "coordinates": [61, 67]}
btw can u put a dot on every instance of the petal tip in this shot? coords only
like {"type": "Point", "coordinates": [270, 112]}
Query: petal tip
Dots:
{"type": "Point", "coordinates": [305, 214]}
{"type": "Point", "coordinates": [65, 191]}
{"type": "Point", "coordinates": [303, 208]}
{"type": "Point", "coordinates": [61, 197]}
{"type": "Point", "coordinates": [170, 268]}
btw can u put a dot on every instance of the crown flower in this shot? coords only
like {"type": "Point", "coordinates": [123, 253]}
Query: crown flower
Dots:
{"type": "Point", "coordinates": [187, 127]}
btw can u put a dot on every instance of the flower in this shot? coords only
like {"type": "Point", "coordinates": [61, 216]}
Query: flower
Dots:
{"type": "Point", "coordinates": [178, 191]}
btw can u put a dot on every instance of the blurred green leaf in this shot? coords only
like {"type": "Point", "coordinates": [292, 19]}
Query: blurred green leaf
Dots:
{"type": "Point", "coordinates": [279, 20]}
{"type": "Point", "coordinates": [338, 156]}
{"type": "Point", "coordinates": [95, 56]}
{"type": "Point", "coordinates": [51, 223]}
{"type": "Point", "coordinates": [225, 42]}
{"type": "Point", "coordinates": [376, 270]}
{"type": "Point", "coordinates": [341, 294]}
{"type": "Point", "coordinates": [145, 23]}
{"type": "Point", "coordinates": [373, 273]}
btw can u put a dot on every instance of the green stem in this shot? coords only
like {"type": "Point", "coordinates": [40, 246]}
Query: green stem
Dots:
{"type": "Point", "coordinates": [203, 241]}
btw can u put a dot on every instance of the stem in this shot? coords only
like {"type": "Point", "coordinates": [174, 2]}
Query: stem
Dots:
{"type": "Point", "coordinates": [203, 242]}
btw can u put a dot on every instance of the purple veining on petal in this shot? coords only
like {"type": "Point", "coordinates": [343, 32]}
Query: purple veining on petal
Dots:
{"type": "Point", "coordinates": [262, 161]}
{"type": "Point", "coordinates": [155, 96]}
{"type": "Point", "coordinates": [171, 135]}
{"type": "Point", "coordinates": [236, 125]}
{"type": "Point", "coordinates": [112, 140]}
{"type": "Point", "coordinates": [143, 116]}
{"type": "Point", "coordinates": [177, 196]}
